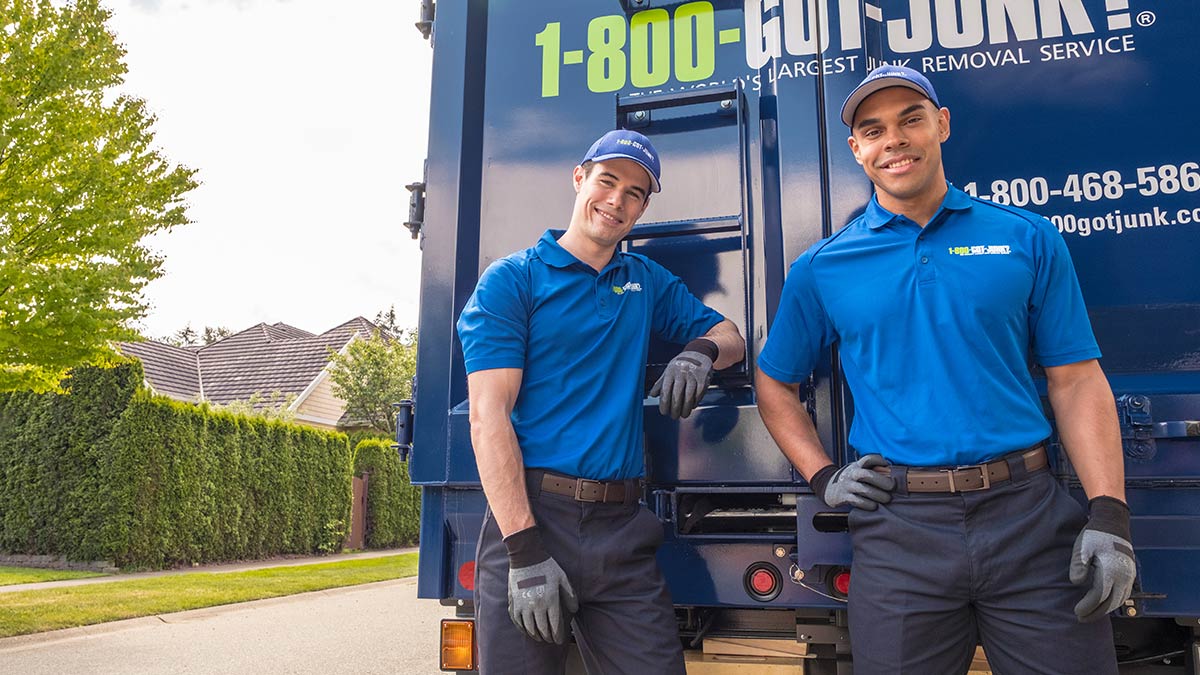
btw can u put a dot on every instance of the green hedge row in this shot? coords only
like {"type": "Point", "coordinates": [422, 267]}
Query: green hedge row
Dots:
{"type": "Point", "coordinates": [111, 472]}
{"type": "Point", "coordinates": [393, 505]}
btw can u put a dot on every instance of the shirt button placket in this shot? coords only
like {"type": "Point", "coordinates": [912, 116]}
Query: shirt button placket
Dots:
{"type": "Point", "coordinates": [603, 294]}
{"type": "Point", "coordinates": [925, 267]}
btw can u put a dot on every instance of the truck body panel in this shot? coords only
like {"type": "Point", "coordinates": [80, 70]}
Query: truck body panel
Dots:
{"type": "Point", "coordinates": [1080, 110]}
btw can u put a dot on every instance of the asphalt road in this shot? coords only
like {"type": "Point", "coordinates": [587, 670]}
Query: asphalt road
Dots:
{"type": "Point", "coordinates": [373, 628]}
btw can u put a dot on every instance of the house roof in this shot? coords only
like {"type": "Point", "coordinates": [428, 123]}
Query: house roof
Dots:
{"type": "Point", "coordinates": [262, 359]}
{"type": "Point", "coordinates": [173, 371]}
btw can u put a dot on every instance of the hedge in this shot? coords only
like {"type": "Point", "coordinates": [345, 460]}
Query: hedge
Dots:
{"type": "Point", "coordinates": [111, 472]}
{"type": "Point", "coordinates": [393, 505]}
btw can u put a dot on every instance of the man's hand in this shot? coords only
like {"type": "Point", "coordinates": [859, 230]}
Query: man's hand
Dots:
{"type": "Point", "coordinates": [686, 378]}
{"type": "Point", "coordinates": [537, 589]}
{"type": "Point", "coordinates": [1103, 552]}
{"type": "Point", "coordinates": [855, 484]}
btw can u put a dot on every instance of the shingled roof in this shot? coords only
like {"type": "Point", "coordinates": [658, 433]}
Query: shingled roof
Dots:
{"type": "Point", "coordinates": [176, 370]}
{"type": "Point", "coordinates": [262, 359]}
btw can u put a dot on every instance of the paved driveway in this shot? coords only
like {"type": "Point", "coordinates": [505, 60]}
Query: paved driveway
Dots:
{"type": "Point", "coordinates": [373, 628]}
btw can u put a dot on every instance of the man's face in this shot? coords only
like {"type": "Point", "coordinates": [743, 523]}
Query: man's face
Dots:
{"type": "Point", "coordinates": [897, 138]}
{"type": "Point", "coordinates": [609, 200]}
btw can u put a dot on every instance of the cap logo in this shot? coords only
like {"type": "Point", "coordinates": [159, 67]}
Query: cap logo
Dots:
{"type": "Point", "coordinates": [639, 146]}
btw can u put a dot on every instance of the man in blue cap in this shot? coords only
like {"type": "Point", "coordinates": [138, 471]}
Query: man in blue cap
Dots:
{"type": "Point", "coordinates": [937, 301]}
{"type": "Point", "coordinates": [555, 340]}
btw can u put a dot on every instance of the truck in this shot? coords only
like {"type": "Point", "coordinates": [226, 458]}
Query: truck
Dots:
{"type": "Point", "coordinates": [1083, 111]}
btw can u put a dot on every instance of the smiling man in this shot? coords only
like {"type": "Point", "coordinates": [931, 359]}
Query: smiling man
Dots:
{"type": "Point", "coordinates": [937, 302]}
{"type": "Point", "coordinates": [555, 340]}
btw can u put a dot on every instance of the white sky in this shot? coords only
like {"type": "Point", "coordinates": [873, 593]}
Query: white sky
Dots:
{"type": "Point", "coordinates": [304, 119]}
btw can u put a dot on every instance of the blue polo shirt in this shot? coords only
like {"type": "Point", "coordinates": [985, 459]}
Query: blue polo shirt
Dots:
{"type": "Point", "coordinates": [581, 338]}
{"type": "Point", "coordinates": [936, 327]}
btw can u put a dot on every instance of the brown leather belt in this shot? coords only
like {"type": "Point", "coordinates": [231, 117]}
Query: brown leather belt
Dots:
{"type": "Point", "coordinates": [970, 478]}
{"type": "Point", "coordinates": [585, 490]}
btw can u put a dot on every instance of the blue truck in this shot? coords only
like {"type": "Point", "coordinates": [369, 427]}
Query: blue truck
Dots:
{"type": "Point", "coordinates": [1084, 111]}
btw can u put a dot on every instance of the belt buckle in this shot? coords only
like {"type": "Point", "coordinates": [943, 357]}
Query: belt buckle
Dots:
{"type": "Point", "coordinates": [987, 481]}
{"type": "Point", "coordinates": [602, 487]}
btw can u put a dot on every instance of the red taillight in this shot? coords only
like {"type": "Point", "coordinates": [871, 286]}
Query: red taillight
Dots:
{"type": "Point", "coordinates": [466, 575]}
{"type": "Point", "coordinates": [841, 582]}
{"type": "Point", "coordinates": [762, 581]}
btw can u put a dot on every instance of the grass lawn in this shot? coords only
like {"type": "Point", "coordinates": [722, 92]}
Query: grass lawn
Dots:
{"type": "Point", "coordinates": [24, 612]}
{"type": "Point", "coordinates": [29, 575]}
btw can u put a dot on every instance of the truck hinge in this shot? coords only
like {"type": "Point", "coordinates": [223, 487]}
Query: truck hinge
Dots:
{"type": "Point", "coordinates": [404, 424]}
{"type": "Point", "coordinates": [1139, 431]}
{"type": "Point", "coordinates": [416, 208]}
{"type": "Point", "coordinates": [1137, 426]}
{"type": "Point", "coordinates": [425, 25]}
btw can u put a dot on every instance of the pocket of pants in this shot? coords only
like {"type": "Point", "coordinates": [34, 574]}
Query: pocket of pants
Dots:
{"type": "Point", "coordinates": [652, 528]}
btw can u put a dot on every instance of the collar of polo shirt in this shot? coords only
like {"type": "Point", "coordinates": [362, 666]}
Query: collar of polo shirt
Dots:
{"type": "Point", "coordinates": [876, 216]}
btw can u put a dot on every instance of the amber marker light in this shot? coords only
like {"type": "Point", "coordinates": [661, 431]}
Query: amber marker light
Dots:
{"type": "Point", "coordinates": [458, 644]}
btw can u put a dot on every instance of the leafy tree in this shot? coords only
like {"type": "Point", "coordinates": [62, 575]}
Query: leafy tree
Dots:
{"type": "Point", "coordinates": [273, 406]}
{"type": "Point", "coordinates": [214, 333]}
{"type": "Point", "coordinates": [184, 337]}
{"type": "Point", "coordinates": [80, 187]}
{"type": "Point", "coordinates": [386, 321]}
{"type": "Point", "coordinates": [372, 374]}
{"type": "Point", "coordinates": [188, 337]}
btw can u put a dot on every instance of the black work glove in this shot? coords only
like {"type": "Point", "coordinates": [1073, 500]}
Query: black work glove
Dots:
{"type": "Point", "coordinates": [537, 589]}
{"type": "Point", "coordinates": [686, 378]}
{"type": "Point", "coordinates": [1103, 552]}
{"type": "Point", "coordinates": [855, 484]}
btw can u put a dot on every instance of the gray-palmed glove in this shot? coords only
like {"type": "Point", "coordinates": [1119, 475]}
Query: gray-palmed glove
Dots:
{"type": "Point", "coordinates": [686, 378]}
{"type": "Point", "coordinates": [854, 484]}
{"type": "Point", "coordinates": [538, 589]}
{"type": "Point", "coordinates": [1103, 552]}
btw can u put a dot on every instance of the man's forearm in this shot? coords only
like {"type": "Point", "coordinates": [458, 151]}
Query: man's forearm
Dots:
{"type": "Point", "coordinates": [731, 348]}
{"type": "Point", "coordinates": [502, 472]}
{"type": "Point", "coordinates": [790, 425]}
{"type": "Point", "coordinates": [1087, 424]}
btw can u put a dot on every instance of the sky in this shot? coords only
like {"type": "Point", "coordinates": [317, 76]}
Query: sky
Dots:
{"type": "Point", "coordinates": [305, 119]}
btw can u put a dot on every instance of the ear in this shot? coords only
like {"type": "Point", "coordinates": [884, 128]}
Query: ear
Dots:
{"type": "Point", "coordinates": [577, 178]}
{"type": "Point", "coordinates": [943, 124]}
{"type": "Point", "coordinates": [854, 148]}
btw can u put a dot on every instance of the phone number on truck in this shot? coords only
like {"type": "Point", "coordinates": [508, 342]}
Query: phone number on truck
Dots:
{"type": "Point", "coordinates": [1165, 179]}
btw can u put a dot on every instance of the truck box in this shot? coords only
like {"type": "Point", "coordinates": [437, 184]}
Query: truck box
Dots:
{"type": "Point", "coordinates": [1084, 111]}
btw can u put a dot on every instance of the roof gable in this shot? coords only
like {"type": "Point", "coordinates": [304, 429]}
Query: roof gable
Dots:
{"type": "Point", "coordinates": [262, 359]}
{"type": "Point", "coordinates": [172, 371]}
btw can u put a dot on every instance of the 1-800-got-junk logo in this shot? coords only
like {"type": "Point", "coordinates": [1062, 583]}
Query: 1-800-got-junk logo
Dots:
{"type": "Point", "coordinates": [774, 27]}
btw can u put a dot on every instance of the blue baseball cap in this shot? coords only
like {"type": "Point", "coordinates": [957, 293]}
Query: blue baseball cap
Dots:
{"type": "Point", "coordinates": [626, 144]}
{"type": "Point", "coordinates": [882, 78]}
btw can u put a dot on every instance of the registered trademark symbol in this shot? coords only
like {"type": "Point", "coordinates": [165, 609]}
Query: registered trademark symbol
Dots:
{"type": "Point", "coordinates": [1145, 19]}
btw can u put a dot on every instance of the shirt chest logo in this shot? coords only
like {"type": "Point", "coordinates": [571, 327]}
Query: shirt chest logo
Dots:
{"type": "Point", "coordinates": [630, 287]}
{"type": "Point", "coordinates": [981, 249]}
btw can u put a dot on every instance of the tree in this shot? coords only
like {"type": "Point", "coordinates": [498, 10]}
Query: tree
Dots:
{"type": "Point", "coordinates": [372, 374]}
{"type": "Point", "coordinates": [215, 333]}
{"type": "Point", "coordinates": [273, 406]}
{"type": "Point", "coordinates": [188, 337]}
{"type": "Point", "coordinates": [386, 321]}
{"type": "Point", "coordinates": [80, 187]}
{"type": "Point", "coordinates": [184, 337]}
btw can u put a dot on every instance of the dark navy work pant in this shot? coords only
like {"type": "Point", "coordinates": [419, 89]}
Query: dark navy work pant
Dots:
{"type": "Point", "coordinates": [933, 574]}
{"type": "Point", "coordinates": [625, 622]}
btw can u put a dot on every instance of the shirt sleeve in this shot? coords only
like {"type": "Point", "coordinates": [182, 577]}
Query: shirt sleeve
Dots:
{"type": "Point", "coordinates": [801, 331]}
{"type": "Point", "coordinates": [494, 325]}
{"type": "Point", "coordinates": [679, 316]}
{"type": "Point", "coordinates": [1058, 320]}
